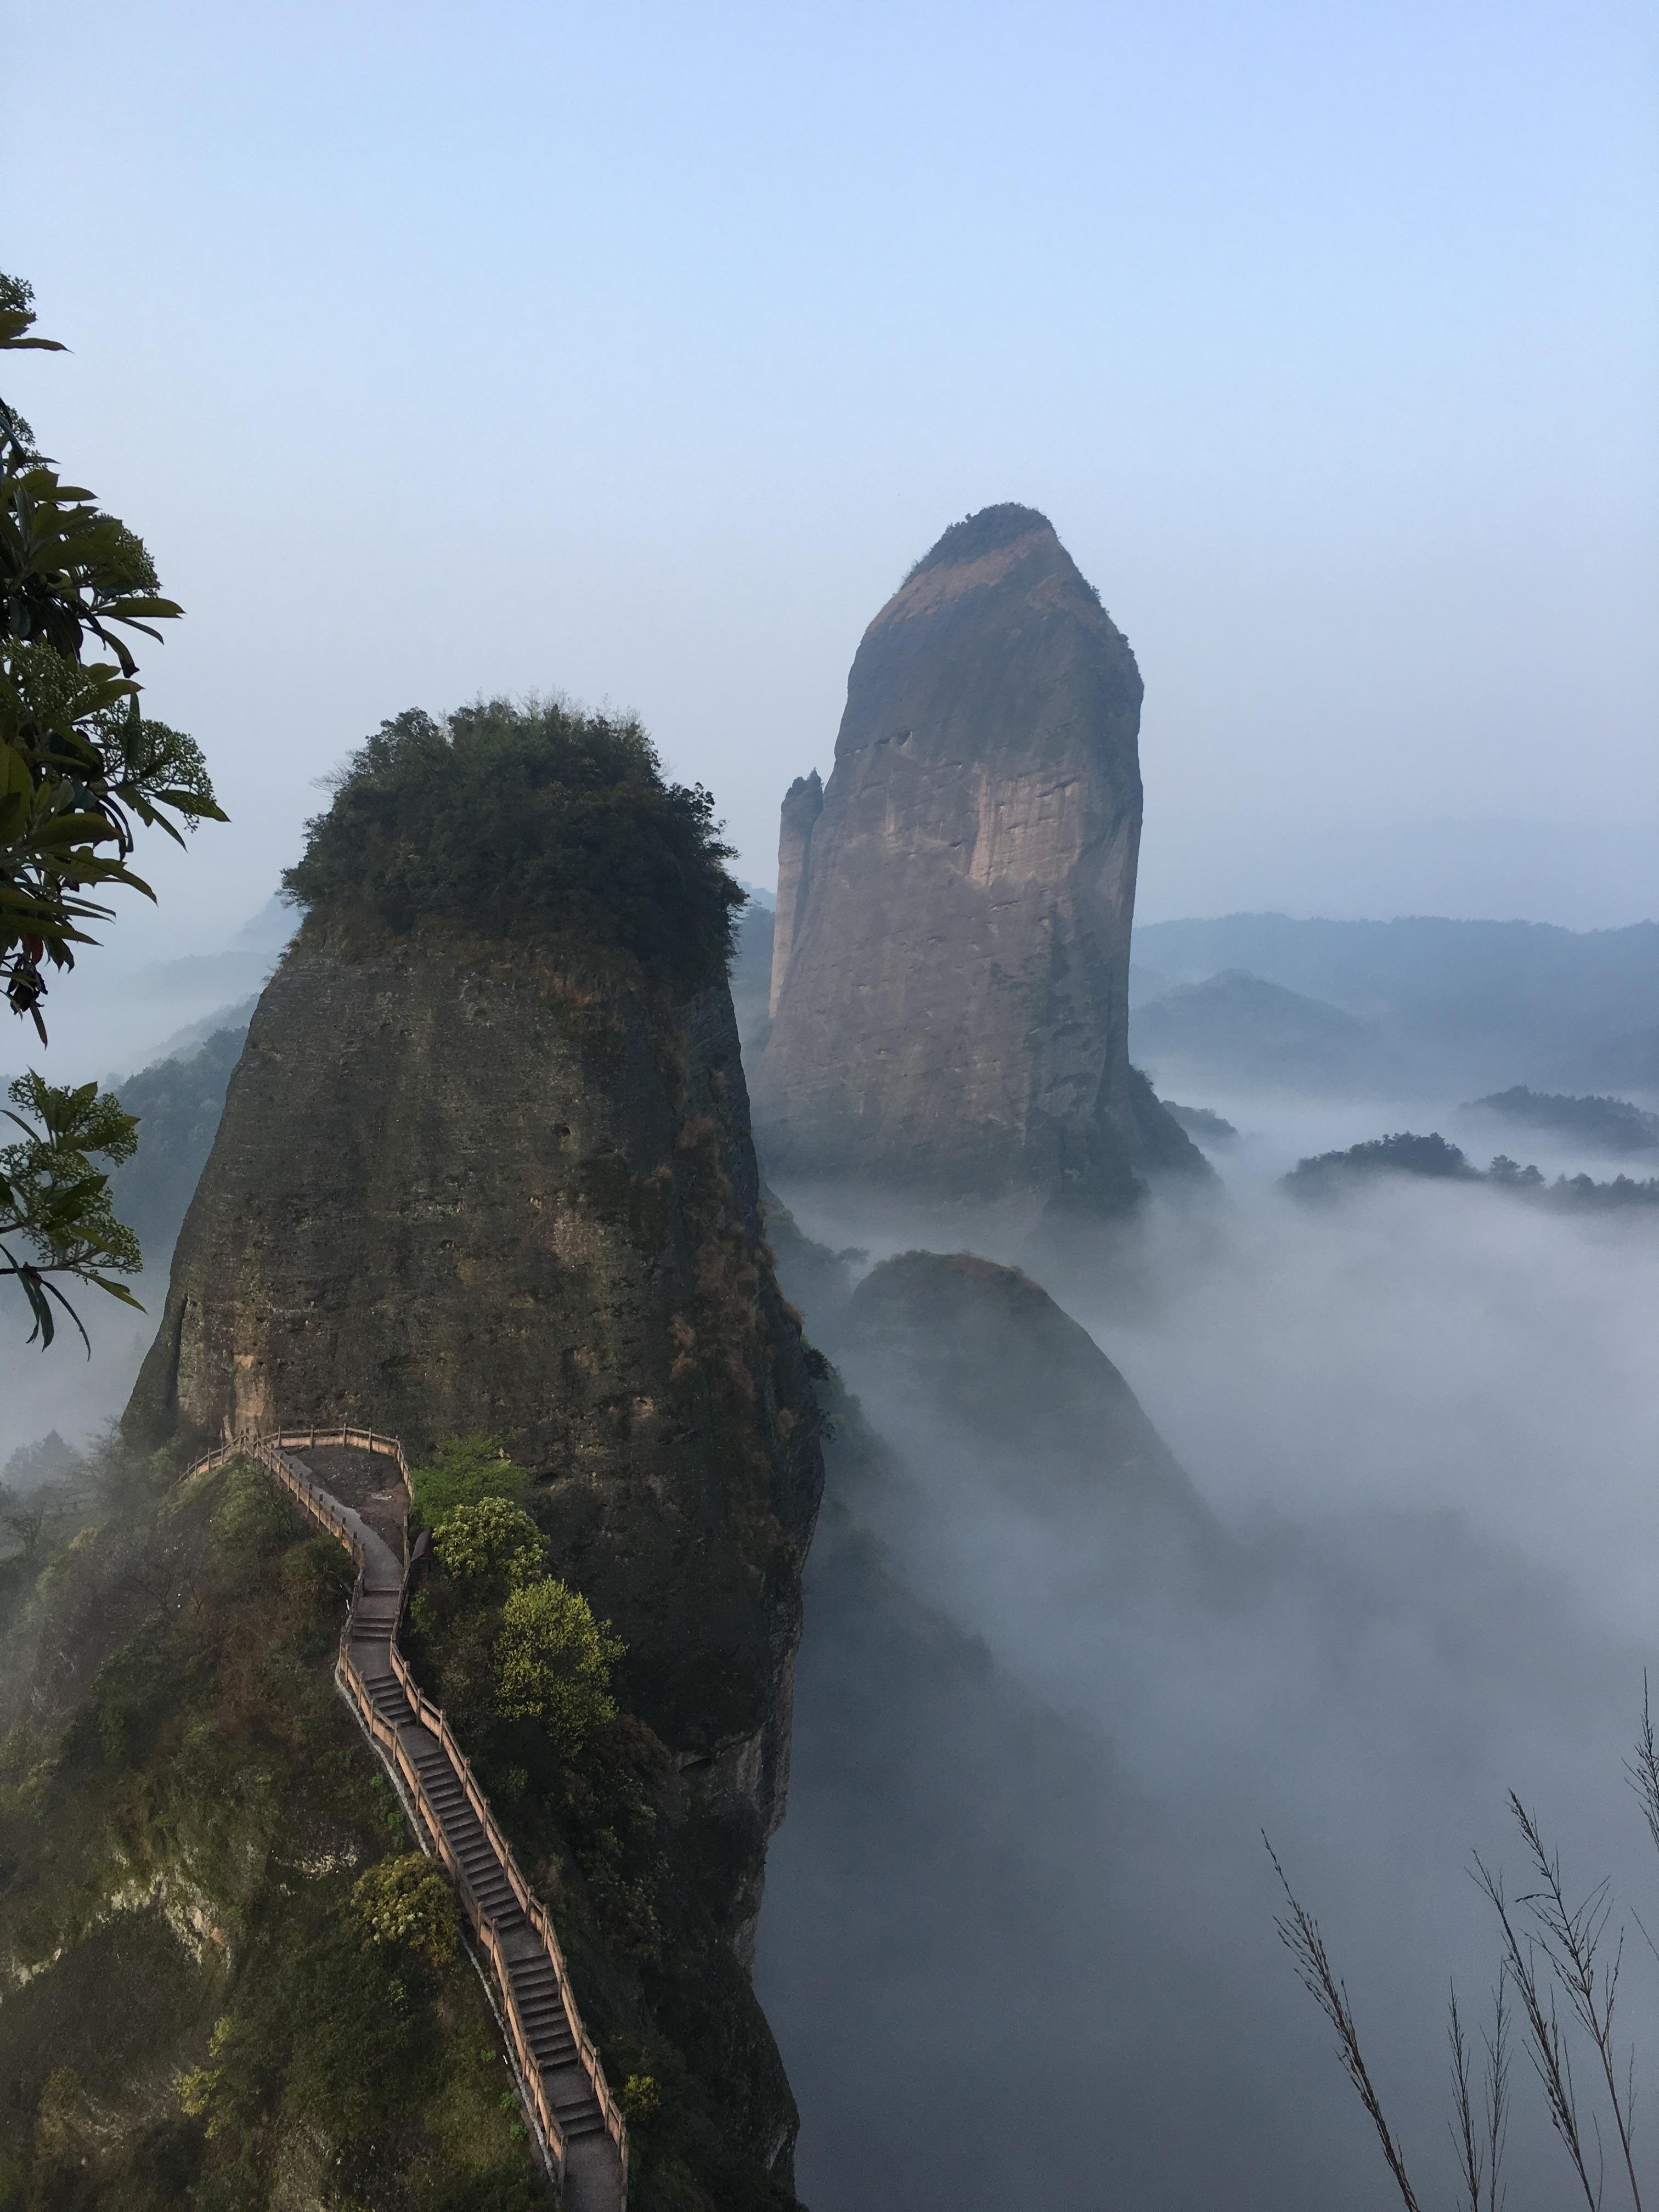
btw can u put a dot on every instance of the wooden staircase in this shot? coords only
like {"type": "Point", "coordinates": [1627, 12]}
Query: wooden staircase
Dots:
{"type": "Point", "coordinates": [573, 2114]}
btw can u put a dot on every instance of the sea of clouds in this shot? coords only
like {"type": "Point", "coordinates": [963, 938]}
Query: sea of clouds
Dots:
{"type": "Point", "coordinates": [1018, 1944]}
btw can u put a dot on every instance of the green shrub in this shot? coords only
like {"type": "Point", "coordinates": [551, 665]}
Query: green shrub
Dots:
{"type": "Point", "coordinates": [406, 1900]}
{"type": "Point", "coordinates": [493, 1542]}
{"type": "Point", "coordinates": [641, 2100]}
{"type": "Point", "coordinates": [534, 821]}
{"type": "Point", "coordinates": [553, 1662]}
{"type": "Point", "coordinates": [463, 1470]}
{"type": "Point", "coordinates": [250, 1520]}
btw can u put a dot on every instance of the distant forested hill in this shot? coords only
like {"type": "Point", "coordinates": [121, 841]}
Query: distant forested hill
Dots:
{"type": "Point", "coordinates": [179, 1104]}
{"type": "Point", "coordinates": [1237, 1028]}
{"type": "Point", "coordinates": [1483, 1003]}
{"type": "Point", "coordinates": [1606, 1125]}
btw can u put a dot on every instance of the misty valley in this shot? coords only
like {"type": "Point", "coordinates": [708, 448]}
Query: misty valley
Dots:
{"type": "Point", "coordinates": [997, 1555]}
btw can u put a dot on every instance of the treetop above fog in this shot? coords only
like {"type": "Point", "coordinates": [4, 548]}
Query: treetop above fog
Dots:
{"type": "Point", "coordinates": [1328, 1174]}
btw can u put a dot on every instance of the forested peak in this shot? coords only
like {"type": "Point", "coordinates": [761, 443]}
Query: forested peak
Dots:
{"type": "Point", "coordinates": [987, 532]}
{"type": "Point", "coordinates": [536, 820]}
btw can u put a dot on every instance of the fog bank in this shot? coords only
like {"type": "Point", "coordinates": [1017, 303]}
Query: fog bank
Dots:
{"type": "Point", "coordinates": [1017, 1944]}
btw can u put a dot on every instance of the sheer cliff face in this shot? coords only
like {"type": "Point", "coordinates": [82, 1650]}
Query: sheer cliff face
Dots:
{"type": "Point", "coordinates": [458, 1190]}
{"type": "Point", "coordinates": [951, 999]}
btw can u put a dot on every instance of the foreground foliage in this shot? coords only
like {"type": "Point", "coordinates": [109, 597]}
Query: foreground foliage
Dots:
{"type": "Point", "coordinates": [55, 1205]}
{"type": "Point", "coordinates": [80, 768]}
{"type": "Point", "coordinates": [1561, 1954]}
{"type": "Point", "coordinates": [82, 771]}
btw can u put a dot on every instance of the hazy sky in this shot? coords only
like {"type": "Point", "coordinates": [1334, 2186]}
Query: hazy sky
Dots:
{"type": "Point", "coordinates": [637, 350]}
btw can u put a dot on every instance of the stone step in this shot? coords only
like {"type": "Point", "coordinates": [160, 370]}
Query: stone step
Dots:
{"type": "Point", "coordinates": [576, 2104]}
{"type": "Point", "coordinates": [575, 2130]}
{"type": "Point", "coordinates": [538, 1998]}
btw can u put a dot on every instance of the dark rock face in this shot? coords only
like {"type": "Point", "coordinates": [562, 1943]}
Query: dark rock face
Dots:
{"type": "Point", "coordinates": [987, 1364]}
{"type": "Point", "coordinates": [457, 1189]}
{"type": "Point", "coordinates": [950, 988]}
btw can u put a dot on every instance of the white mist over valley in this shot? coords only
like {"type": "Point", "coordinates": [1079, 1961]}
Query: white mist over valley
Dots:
{"type": "Point", "coordinates": [827, 1336]}
{"type": "Point", "coordinates": [1426, 1429]}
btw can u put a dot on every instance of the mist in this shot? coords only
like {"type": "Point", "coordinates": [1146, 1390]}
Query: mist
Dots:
{"type": "Point", "coordinates": [1018, 1939]}
{"type": "Point", "coordinates": [1018, 1942]}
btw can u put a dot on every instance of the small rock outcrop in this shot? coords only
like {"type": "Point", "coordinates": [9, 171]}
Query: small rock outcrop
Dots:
{"type": "Point", "coordinates": [973, 1359]}
{"type": "Point", "coordinates": [950, 972]}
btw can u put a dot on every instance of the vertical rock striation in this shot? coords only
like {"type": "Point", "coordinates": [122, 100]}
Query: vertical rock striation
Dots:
{"type": "Point", "coordinates": [951, 998]}
{"type": "Point", "coordinates": [802, 803]}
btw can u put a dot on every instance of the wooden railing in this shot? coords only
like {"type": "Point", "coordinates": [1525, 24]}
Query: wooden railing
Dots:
{"type": "Point", "coordinates": [382, 1733]}
{"type": "Point", "coordinates": [273, 1453]}
{"type": "Point", "coordinates": [432, 1716]}
{"type": "Point", "coordinates": [350, 1439]}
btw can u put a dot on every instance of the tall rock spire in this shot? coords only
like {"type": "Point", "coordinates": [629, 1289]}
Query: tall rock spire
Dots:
{"type": "Point", "coordinates": [950, 1002]}
{"type": "Point", "coordinates": [802, 803]}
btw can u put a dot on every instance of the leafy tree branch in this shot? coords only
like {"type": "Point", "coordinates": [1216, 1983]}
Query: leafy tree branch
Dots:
{"type": "Point", "coordinates": [81, 769]}
{"type": "Point", "coordinates": [55, 1219]}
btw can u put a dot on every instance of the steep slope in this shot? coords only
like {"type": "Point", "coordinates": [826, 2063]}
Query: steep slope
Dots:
{"type": "Point", "coordinates": [751, 976]}
{"type": "Point", "coordinates": [192, 2008]}
{"type": "Point", "coordinates": [498, 1181]}
{"type": "Point", "coordinates": [179, 1102]}
{"type": "Point", "coordinates": [950, 968]}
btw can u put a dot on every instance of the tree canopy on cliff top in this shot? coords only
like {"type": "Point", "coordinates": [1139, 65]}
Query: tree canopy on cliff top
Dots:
{"type": "Point", "coordinates": [538, 823]}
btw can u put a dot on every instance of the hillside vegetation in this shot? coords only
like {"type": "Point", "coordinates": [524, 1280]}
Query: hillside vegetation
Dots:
{"type": "Point", "coordinates": [537, 822]}
{"type": "Point", "coordinates": [203, 1998]}
{"type": "Point", "coordinates": [642, 1866]}
{"type": "Point", "coordinates": [1328, 1175]}
{"type": "Point", "coordinates": [1610, 1125]}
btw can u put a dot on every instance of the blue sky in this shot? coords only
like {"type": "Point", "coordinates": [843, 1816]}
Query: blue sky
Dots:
{"type": "Point", "coordinates": [637, 350]}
